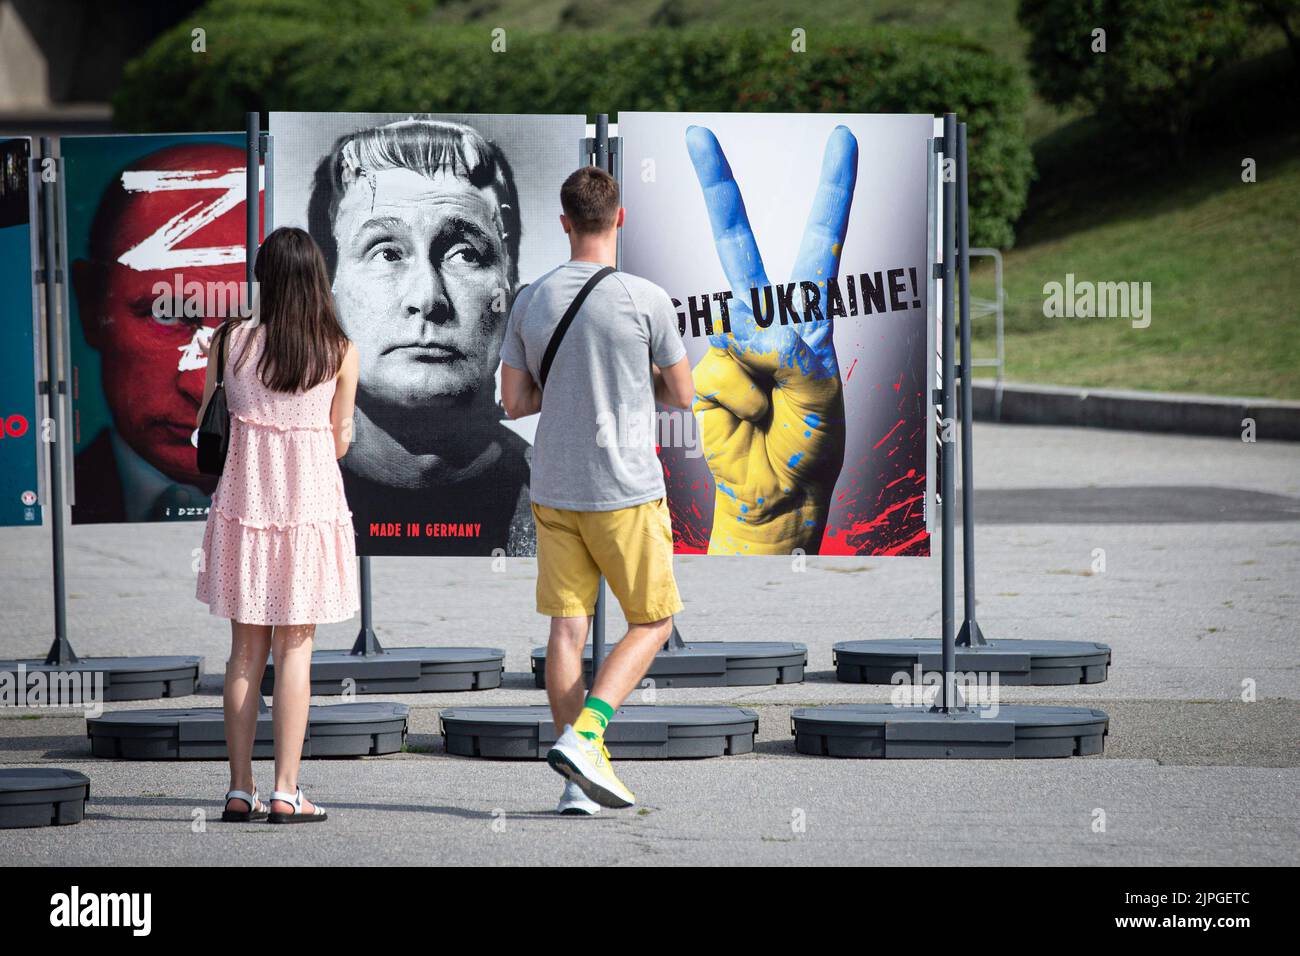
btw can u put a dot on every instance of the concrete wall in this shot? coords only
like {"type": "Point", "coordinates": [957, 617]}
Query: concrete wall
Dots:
{"type": "Point", "coordinates": [61, 52]}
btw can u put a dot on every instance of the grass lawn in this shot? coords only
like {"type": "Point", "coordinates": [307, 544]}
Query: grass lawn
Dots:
{"type": "Point", "coordinates": [1222, 257]}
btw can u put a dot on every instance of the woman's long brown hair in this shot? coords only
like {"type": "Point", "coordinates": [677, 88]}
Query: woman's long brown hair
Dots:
{"type": "Point", "coordinates": [305, 344]}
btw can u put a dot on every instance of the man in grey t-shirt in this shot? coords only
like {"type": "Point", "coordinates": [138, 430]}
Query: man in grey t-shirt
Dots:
{"type": "Point", "coordinates": [597, 487]}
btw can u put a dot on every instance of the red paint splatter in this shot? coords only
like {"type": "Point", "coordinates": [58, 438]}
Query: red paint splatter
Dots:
{"type": "Point", "coordinates": [910, 473]}
{"type": "Point", "coordinates": [922, 537]}
{"type": "Point", "coordinates": [888, 433]}
{"type": "Point", "coordinates": [882, 512]}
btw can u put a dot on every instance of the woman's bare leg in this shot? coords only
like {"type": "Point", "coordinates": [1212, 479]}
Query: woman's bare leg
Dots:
{"type": "Point", "coordinates": [249, 645]}
{"type": "Point", "coordinates": [291, 648]}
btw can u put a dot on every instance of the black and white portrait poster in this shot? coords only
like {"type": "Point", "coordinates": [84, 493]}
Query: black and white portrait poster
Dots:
{"type": "Point", "coordinates": [430, 225]}
{"type": "Point", "coordinates": [795, 248]}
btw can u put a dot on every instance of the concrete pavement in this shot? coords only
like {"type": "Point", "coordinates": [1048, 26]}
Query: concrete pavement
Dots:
{"type": "Point", "coordinates": [1180, 552]}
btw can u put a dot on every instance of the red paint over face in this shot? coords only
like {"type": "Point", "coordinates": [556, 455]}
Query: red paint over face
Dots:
{"type": "Point", "coordinates": [153, 378]}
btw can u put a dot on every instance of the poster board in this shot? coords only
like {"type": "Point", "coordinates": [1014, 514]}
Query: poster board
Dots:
{"type": "Point", "coordinates": [155, 233]}
{"type": "Point", "coordinates": [20, 418]}
{"type": "Point", "coordinates": [833, 204]}
{"type": "Point", "coordinates": [401, 203]}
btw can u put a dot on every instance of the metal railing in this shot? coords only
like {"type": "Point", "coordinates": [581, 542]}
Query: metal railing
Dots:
{"type": "Point", "coordinates": [982, 308]}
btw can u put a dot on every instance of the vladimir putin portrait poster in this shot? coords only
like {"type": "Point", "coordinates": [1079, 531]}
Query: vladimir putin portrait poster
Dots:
{"type": "Point", "coordinates": [155, 249]}
{"type": "Point", "coordinates": [430, 225]}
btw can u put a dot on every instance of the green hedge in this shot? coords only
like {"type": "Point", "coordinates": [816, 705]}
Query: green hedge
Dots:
{"type": "Point", "coordinates": [372, 55]}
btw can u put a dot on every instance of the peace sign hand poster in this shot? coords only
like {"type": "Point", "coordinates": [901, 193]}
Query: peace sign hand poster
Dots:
{"type": "Point", "coordinates": [794, 248]}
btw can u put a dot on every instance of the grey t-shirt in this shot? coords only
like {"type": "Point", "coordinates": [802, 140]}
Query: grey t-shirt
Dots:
{"type": "Point", "coordinates": [595, 445]}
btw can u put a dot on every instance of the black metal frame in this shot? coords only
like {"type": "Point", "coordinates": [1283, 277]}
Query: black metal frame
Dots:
{"type": "Point", "coordinates": [55, 386]}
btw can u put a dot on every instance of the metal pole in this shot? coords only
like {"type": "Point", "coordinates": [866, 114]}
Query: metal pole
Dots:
{"type": "Point", "coordinates": [602, 141]}
{"type": "Point", "coordinates": [598, 622]}
{"type": "Point", "coordinates": [616, 170]}
{"type": "Point", "coordinates": [1002, 355]}
{"type": "Point", "coordinates": [252, 231]}
{"type": "Point", "coordinates": [252, 194]}
{"type": "Point", "coordinates": [61, 651]}
{"type": "Point", "coordinates": [970, 630]}
{"type": "Point", "coordinates": [267, 180]}
{"type": "Point", "coordinates": [947, 437]}
{"type": "Point", "coordinates": [598, 633]}
{"type": "Point", "coordinates": [367, 641]}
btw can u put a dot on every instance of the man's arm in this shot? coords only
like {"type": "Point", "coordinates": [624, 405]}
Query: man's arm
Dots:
{"type": "Point", "coordinates": [673, 385]}
{"type": "Point", "coordinates": [519, 393]}
{"type": "Point", "coordinates": [669, 364]}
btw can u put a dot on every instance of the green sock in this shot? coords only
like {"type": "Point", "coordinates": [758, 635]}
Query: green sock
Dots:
{"type": "Point", "coordinates": [595, 716]}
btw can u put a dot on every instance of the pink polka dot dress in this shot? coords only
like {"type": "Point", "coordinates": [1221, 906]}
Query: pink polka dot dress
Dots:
{"type": "Point", "coordinates": [278, 546]}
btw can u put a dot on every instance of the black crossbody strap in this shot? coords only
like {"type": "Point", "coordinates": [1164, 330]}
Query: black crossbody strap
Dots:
{"type": "Point", "coordinates": [221, 354]}
{"type": "Point", "coordinates": [558, 335]}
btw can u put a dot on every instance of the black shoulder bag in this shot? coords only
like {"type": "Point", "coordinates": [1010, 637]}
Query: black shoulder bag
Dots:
{"type": "Point", "coordinates": [214, 432]}
{"type": "Point", "coordinates": [567, 319]}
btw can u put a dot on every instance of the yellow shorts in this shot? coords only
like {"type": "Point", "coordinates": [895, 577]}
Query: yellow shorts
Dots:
{"type": "Point", "coordinates": [632, 547]}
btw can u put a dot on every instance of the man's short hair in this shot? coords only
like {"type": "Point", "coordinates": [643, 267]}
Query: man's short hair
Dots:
{"type": "Point", "coordinates": [590, 199]}
{"type": "Point", "coordinates": [424, 146]}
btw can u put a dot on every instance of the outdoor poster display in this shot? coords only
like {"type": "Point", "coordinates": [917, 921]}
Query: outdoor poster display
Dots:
{"type": "Point", "coordinates": [430, 225]}
{"type": "Point", "coordinates": [20, 424]}
{"type": "Point", "coordinates": [795, 247]}
{"type": "Point", "coordinates": [155, 251]}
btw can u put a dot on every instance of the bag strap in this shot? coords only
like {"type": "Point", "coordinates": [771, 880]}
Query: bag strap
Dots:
{"type": "Point", "coordinates": [567, 319]}
{"type": "Point", "coordinates": [221, 354]}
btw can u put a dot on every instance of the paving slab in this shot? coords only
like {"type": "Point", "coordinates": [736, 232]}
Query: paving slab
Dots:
{"type": "Point", "coordinates": [1179, 552]}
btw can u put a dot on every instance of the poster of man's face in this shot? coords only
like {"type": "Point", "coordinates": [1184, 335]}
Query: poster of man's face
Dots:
{"type": "Point", "coordinates": [155, 242]}
{"type": "Point", "coordinates": [795, 248]}
{"type": "Point", "coordinates": [430, 225]}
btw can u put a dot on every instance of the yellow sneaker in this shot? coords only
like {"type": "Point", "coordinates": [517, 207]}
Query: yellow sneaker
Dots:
{"type": "Point", "coordinates": [586, 763]}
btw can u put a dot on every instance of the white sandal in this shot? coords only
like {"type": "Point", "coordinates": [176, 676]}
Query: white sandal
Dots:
{"type": "Point", "coordinates": [256, 809]}
{"type": "Point", "coordinates": [295, 801]}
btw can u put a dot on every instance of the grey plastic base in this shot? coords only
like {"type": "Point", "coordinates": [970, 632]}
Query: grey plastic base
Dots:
{"type": "Point", "coordinates": [124, 678]}
{"type": "Point", "coordinates": [709, 664]}
{"type": "Point", "coordinates": [401, 670]}
{"type": "Point", "coordinates": [637, 732]}
{"type": "Point", "coordinates": [886, 731]}
{"type": "Point", "coordinates": [1015, 662]}
{"type": "Point", "coordinates": [42, 797]}
{"type": "Point", "coordinates": [199, 733]}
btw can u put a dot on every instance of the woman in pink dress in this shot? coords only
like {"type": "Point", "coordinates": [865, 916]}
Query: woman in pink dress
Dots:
{"type": "Point", "coordinates": [279, 550]}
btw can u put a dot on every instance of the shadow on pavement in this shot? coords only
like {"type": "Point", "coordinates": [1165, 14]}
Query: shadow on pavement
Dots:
{"type": "Point", "coordinates": [1138, 504]}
